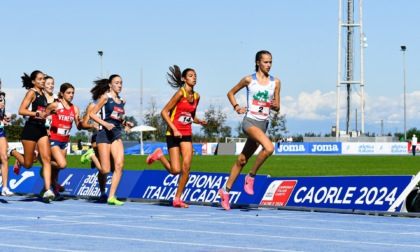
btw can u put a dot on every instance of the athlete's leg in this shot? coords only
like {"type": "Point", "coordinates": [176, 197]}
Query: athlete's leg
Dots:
{"type": "Point", "coordinates": [249, 149]}
{"type": "Point", "coordinates": [186, 150]}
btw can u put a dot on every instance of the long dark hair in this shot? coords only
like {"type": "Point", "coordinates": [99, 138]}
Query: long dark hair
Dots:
{"type": "Point", "coordinates": [174, 76]}
{"type": "Point", "coordinates": [258, 57]}
{"type": "Point", "coordinates": [63, 88]}
{"type": "Point", "coordinates": [101, 86]}
{"type": "Point", "coordinates": [27, 80]}
{"type": "Point", "coordinates": [48, 77]}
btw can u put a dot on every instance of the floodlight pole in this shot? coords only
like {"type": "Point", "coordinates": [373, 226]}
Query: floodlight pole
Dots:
{"type": "Point", "coordinates": [403, 49]}
{"type": "Point", "coordinates": [100, 53]}
{"type": "Point", "coordinates": [349, 25]}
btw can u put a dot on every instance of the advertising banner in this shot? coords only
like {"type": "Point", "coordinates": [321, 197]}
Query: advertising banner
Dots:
{"type": "Point", "coordinates": [373, 193]}
{"type": "Point", "coordinates": [396, 148]}
{"type": "Point", "coordinates": [309, 148]}
{"type": "Point", "coordinates": [77, 182]}
{"type": "Point", "coordinates": [24, 182]}
{"type": "Point", "coordinates": [354, 192]}
{"type": "Point", "coordinates": [201, 187]}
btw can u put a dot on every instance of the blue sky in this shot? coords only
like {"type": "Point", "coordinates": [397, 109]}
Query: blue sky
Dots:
{"type": "Point", "coordinates": [219, 40]}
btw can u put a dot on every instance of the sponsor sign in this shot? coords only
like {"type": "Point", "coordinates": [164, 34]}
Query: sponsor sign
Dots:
{"type": "Point", "coordinates": [375, 193]}
{"type": "Point", "coordinates": [324, 148]}
{"type": "Point", "coordinates": [397, 148]}
{"type": "Point", "coordinates": [309, 148]}
{"type": "Point", "coordinates": [25, 181]}
{"type": "Point", "coordinates": [201, 187]}
{"type": "Point", "coordinates": [278, 192]}
{"type": "Point", "coordinates": [84, 182]}
{"type": "Point", "coordinates": [77, 182]}
{"type": "Point", "coordinates": [292, 148]}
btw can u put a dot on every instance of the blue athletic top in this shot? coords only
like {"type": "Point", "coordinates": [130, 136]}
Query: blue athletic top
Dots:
{"type": "Point", "coordinates": [2, 111]}
{"type": "Point", "coordinates": [113, 112]}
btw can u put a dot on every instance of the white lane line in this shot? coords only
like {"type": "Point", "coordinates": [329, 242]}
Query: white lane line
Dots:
{"type": "Point", "coordinates": [276, 226]}
{"type": "Point", "coordinates": [227, 234]}
{"type": "Point", "coordinates": [167, 218]}
{"type": "Point", "coordinates": [151, 241]}
{"type": "Point", "coordinates": [3, 245]}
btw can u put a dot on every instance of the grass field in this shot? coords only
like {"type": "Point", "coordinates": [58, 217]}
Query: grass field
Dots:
{"type": "Point", "coordinates": [282, 165]}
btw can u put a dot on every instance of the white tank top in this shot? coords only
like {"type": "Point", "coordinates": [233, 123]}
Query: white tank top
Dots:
{"type": "Point", "coordinates": [259, 99]}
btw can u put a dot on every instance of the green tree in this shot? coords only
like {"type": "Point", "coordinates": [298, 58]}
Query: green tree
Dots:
{"type": "Point", "coordinates": [79, 135]}
{"type": "Point", "coordinates": [276, 126]}
{"type": "Point", "coordinates": [131, 135]}
{"type": "Point", "coordinates": [14, 129]}
{"type": "Point", "coordinates": [298, 138]}
{"type": "Point", "coordinates": [154, 119]}
{"type": "Point", "coordinates": [311, 134]}
{"type": "Point", "coordinates": [241, 133]}
{"type": "Point", "coordinates": [411, 132]}
{"type": "Point", "coordinates": [225, 131]}
{"type": "Point", "coordinates": [198, 138]}
{"type": "Point", "coordinates": [215, 123]}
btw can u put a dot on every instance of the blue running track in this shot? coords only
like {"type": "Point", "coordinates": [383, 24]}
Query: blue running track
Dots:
{"type": "Point", "coordinates": [27, 224]}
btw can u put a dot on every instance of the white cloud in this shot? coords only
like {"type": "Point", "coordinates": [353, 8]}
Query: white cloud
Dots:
{"type": "Point", "coordinates": [313, 106]}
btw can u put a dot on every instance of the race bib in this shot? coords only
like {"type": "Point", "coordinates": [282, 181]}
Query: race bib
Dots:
{"type": "Point", "coordinates": [117, 114]}
{"type": "Point", "coordinates": [185, 118]}
{"type": "Point", "coordinates": [63, 130]}
{"type": "Point", "coordinates": [260, 108]}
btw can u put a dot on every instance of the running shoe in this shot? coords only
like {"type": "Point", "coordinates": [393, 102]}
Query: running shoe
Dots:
{"type": "Point", "coordinates": [48, 196]}
{"type": "Point", "coordinates": [9, 151]}
{"type": "Point", "coordinates": [60, 188]}
{"type": "Point", "coordinates": [103, 198]}
{"type": "Point", "coordinates": [57, 195]}
{"type": "Point", "coordinates": [179, 203]}
{"type": "Point", "coordinates": [224, 199]}
{"type": "Point", "coordinates": [249, 185]}
{"type": "Point", "coordinates": [113, 201]}
{"type": "Point", "coordinates": [155, 156]}
{"type": "Point", "coordinates": [86, 157]}
{"type": "Point", "coordinates": [35, 156]}
{"type": "Point", "coordinates": [41, 193]}
{"type": "Point", "coordinates": [16, 168]}
{"type": "Point", "coordinates": [6, 192]}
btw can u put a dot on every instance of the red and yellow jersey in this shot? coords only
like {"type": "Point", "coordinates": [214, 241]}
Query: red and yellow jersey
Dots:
{"type": "Point", "coordinates": [182, 116]}
{"type": "Point", "coordinates": [62, 121]}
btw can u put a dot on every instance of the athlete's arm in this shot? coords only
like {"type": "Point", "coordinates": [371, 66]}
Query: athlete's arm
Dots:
{"type": "Point", "coordinates": [275, 103]}
{"type": "Point", "coordinates": [51, 108]}
{"type": "Point", "coordinates": [85, 122]}
{"type": "Point", "coordinates": [78, 120]}
{"type": "Point", "coordinates": [169, 107]}
{"type": "Point", "coordinates": [231, 94]}
{"type": "Point", "coordinates": [23, 109]}
{"type": "Point", "coordinates": [196, 119]}
{"type": "Point", "coordinates": [98, 106]}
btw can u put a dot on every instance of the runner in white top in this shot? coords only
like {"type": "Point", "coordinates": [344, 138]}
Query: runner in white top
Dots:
{"type": "Point", "coordinates": [259, 98]}
{"type": "Point", "coordinates": [263, 94]}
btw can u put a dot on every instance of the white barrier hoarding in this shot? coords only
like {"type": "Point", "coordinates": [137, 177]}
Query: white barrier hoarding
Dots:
{"type": "Point", "coordinates": [399, 148]}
